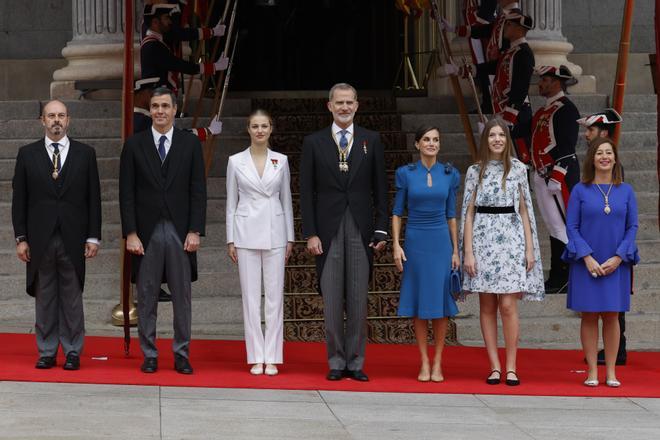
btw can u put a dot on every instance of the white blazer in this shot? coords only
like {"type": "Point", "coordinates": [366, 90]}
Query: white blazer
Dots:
{"type": "Point", "coordinates": [259, 210]}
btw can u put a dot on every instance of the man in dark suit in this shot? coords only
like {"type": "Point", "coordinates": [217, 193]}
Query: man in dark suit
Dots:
{"type": "Point", "coordinates": [162, 195]}
{"type": "Point", "coordinates": [56, 213]}
{"type": "Point", "coordinates": [343, 197]}
{"type": "Point", "coordinates": [142, 121]}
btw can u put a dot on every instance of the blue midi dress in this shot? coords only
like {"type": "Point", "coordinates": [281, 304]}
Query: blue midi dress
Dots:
{"type": "Point", "coordinates": [592, 232]}
{"type": "Point", "coordinates": [425, 283]}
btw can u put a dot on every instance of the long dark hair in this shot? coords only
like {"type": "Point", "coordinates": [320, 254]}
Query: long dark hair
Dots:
{"type": "Point", "coordinates": [588, 168]}
{"type": "Point", "coordinates": [484, 152]}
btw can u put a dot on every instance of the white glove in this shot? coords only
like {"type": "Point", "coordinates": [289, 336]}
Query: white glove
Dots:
{"type": "Point", "coordinates": [218, 30]}
{"type": "Point", "coordinates": [554, 186]}
{"type": "Point", "coordinates": [449, 69]}
{"type": "Point", "coordinates": [480, 127]}
{"type": "Point", "coordinates": [446, 26]}
{"type": "Point", "coordinates": [221, 64]}
{"type": "Point", "coordinates": [215, 127]}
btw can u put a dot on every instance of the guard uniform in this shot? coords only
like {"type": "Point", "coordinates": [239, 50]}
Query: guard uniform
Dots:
{"type": "Point", "coordinates": [157, 58]}
{"type": "Point", "coordinates": [513, 75]}
{"type": "Point", "coordinates": [484, 30]}
{"type": "Point", "coordinates": [554, 137]}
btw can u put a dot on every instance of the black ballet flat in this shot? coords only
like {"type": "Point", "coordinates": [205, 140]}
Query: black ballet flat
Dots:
{"type": "Point", "coordinates": [493, 380]}
{"type": "Point", "coordinates": [512, 382]}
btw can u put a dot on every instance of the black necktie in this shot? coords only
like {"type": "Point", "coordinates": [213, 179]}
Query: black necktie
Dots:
{"type": "Point", "coordinates": [161, 148]}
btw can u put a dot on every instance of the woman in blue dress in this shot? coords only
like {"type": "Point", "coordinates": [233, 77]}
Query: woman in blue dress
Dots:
{"type": "Point", "coordinates": [427, 190]}
{"type": "Point", "coordinates": [601, 224]}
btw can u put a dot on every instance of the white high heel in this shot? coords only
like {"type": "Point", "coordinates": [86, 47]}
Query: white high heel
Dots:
{"type": "Point", "coordinates": [591, 382]}
{"type": "Point", "coordinates": [257, 369]}
{"type": "Point", "coordinates": [613, 383]}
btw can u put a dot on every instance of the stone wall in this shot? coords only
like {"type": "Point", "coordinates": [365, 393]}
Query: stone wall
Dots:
{"type": "Point", "coordinates": [594, 26]}
{"type": "Point", "coordinates": [34, 29]}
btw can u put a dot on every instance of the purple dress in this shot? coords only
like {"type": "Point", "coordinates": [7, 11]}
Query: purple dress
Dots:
{"type": "Point", "coordinates": [591, 231]}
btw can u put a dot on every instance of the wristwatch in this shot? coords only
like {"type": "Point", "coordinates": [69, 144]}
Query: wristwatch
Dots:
{"type": "Point", "coordinates": [20, 239]}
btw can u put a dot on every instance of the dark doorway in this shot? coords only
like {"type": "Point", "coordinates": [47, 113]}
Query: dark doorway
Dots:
{"type": "Point", "coordinates": [312, 44]}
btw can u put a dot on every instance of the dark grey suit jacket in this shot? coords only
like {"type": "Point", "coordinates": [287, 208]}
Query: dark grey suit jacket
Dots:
{"type": "Point", "coordinates": [40, 204]}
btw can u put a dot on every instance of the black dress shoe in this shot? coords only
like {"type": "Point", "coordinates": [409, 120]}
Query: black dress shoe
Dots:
{"type": "Point", "coordinates": [45, 362]}
{"type": "Point", "coordinates": [512, 382]}
{"type": "Point", "coordinates": [357, 375]}
{"type": "Point", "coordinates": [335, 375]}
{"type": "Point", "coordinates": [150, 365]}
{"type": "Point", "coordinates": [164, 297]}
{"type": "Point", "coordinates": [182, 365]}
{"type": "Point", "coordinates": [72, 362]}
{"type": "Point", "coordinates": [621, 358]}
{"type": "Point", "coordinates": [494, 380]}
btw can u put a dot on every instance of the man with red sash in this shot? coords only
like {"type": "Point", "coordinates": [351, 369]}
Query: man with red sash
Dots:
{"type": "Point", "coordinates": [156, 57]}
{"type": "Point", "coordinates": [554, 137]}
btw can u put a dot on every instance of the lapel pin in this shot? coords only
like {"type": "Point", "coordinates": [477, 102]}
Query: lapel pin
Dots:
{"type": "Point", "coordinates": [364, 147]}
{"type": "Point", "coordinates": [274, 162]}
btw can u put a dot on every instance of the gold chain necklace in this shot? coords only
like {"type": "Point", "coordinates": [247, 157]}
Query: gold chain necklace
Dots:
{"type": "Point", "coordinates": [607, 208]}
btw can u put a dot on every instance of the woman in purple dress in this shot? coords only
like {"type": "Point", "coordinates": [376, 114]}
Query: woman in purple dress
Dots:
{"type": "Point", "coordinates": [601, 224]}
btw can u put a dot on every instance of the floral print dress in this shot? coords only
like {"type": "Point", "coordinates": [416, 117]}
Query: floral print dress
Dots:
{"type": "Point", "coordinates": [498, 240]}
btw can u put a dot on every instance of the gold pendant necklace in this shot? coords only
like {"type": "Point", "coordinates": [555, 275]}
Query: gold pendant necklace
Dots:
{"type": "Point", "coordinates": [56, 158]}
{"type": "Point", "coordinates": [607, 208]}
{"type": "Point", "coordinates": [343, 153]}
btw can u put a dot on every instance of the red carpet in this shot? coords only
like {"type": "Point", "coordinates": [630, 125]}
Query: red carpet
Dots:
{"type": "Point", "coordinates": [392, 368]}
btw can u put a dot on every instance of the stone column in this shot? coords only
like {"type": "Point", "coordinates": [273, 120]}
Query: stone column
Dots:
{"type": "Point", "coordinates": [96, 50]}
{"type": "Point", "coordinates": [549, 44]}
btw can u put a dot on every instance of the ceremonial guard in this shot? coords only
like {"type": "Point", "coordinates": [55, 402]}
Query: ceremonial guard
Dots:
{"type": "Point", "coordinates": [554, 136]}
{"type": "Point", "coordinates": [600, 124]}
{"type": "Point", "coordinates": [511, 85]}
{"type": "Point", "coordinates": [141, 97]}
{"type": "Point", "coordinates": [156, 57]}
{"type": "Point", "coordinates": [485, 29]}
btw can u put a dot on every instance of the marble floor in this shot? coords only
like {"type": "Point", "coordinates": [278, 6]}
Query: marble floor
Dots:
{"type": "Point", "coordinates": [71, 411]}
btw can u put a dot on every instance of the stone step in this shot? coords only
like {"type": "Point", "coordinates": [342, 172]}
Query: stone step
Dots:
{"type": "Point", "coordinates": [97, 311]}
{"type": "Point", "coordinates": [451, 123]}
{"type": "Point", "coordinates": [643, 301]}
{"type": "Point", "coordinates": [215, 211]}
{"type": "Point", "coordinates": [105, 286]}
{"type": "Point", "coordinates": [639, 103]}
{"type": "Point", "coordinates": [210, 259]}
{"type": "Point", "coordinates": [586, 104]}
{"type": "Point", "coordinates": [111, 232]}
{"type": "Point", "coordinates": [642, 331]}
{"type": "Point", "coordinates": [88, 109]}
{"type": "Point", "coordinates": [215, 188]}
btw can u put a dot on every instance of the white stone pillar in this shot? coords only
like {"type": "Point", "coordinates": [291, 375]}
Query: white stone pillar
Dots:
{"type": "Point", "coordinates": [96, 50]}
{"type": "Point", "coordinates": [550, 46]}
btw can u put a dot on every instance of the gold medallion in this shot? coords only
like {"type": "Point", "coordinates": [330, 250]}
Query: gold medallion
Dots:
{"type": "Point", "coordinates": [55, 175]}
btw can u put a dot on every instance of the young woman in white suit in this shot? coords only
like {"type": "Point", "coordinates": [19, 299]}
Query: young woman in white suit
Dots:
{"type": "Point", "coordinates": [260, 239]}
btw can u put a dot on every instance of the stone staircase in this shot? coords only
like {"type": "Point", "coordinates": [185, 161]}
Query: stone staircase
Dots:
{"type": "Point", "coordinates": [216, 296]}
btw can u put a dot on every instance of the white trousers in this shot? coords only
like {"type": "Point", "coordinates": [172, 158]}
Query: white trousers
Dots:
{"type": "Point", "coordinates": [552, 216]}
{"type": "Point", "coordinates": [251, 264]}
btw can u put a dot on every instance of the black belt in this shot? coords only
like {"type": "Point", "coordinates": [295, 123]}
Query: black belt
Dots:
{"type": "Point", "coordinates": [495, 209]}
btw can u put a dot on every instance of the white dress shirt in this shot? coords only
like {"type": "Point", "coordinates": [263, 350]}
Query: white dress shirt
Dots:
{"type": "Point", "coordinates": [157, 135]}
{"type": "Point", "coordinates": [336, 130]}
